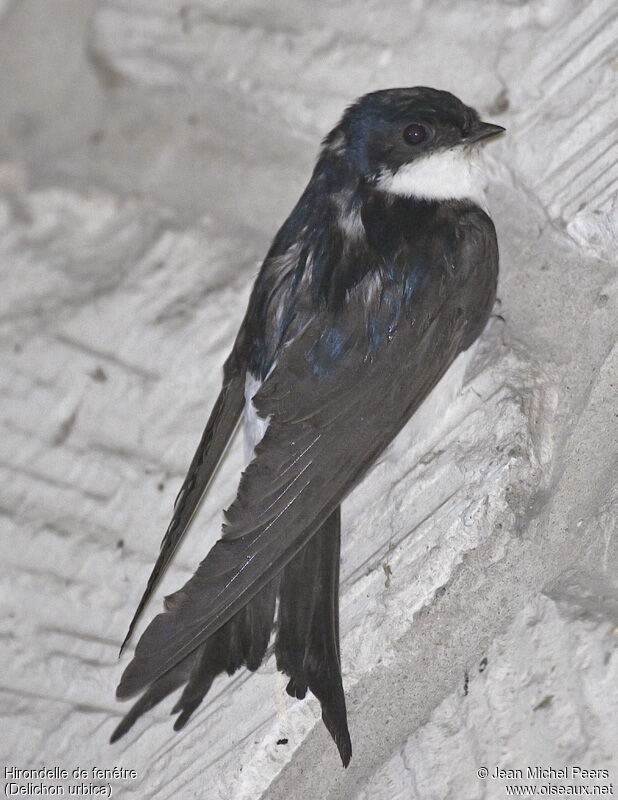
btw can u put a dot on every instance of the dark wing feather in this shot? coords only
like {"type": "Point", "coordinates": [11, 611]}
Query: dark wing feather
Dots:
{"type": "Point", "coordinates": [332, 410]}
{"type": "Point", "coordinates": [309, 459]}
{"type": "Point", "coordinates": [242, 640]}
{"type": "Point", "coordinates": [307, 645]}
{"type": "Point", "coordinates": [157, 691]}
{"type": "Point", "coordinates": [218, 431]}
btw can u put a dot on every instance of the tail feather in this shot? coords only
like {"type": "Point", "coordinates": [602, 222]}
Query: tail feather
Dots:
{"type": "Point", "coordinates": [306, 647]}
{"type": "Point", "coordinates": [158, 691]}
{"type": "Point", "coordinates": [242, 640]}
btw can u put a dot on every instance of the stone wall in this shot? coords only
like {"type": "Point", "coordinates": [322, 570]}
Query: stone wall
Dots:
{"type": "Point", "coordinates": [148, 153]}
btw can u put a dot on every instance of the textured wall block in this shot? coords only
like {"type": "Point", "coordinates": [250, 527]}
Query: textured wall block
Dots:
{"type": "Point", "coordinates": [149, 152]}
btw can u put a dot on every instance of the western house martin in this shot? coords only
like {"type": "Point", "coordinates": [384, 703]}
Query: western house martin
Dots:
{"type": "Point", "coordinates": [383, 273]}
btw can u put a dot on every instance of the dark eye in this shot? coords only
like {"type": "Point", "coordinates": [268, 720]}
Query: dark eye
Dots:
{"type": "Point", "coordinates": [415, 133]}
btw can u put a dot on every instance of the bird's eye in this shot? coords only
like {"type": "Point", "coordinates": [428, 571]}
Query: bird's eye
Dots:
{"type": "Point", "coordinates": [415, 133]}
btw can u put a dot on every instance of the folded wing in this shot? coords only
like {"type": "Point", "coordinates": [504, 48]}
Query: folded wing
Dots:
{"type": "Point", "coordinates": [327, 426]}
{"type": "Point", "coordinates": [219, 429]}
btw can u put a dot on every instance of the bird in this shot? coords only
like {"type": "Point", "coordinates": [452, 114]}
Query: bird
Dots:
{"type": "Point", "coordinates": [384, 272]}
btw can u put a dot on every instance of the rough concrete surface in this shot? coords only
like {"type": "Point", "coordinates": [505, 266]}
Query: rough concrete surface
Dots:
{"type": "Point", "coordinates": [148, 152]}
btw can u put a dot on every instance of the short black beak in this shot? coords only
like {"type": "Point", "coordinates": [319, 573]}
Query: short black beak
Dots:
{"type": "Point", "coordinates": [483, 130]}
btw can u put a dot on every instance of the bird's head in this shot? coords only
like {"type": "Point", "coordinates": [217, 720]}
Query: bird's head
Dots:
{"type": "Point", "coordinates": [412, 142]}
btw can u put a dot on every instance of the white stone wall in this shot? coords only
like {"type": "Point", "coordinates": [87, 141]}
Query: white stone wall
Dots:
{"type": "Point", "coordinates": [148, 152]}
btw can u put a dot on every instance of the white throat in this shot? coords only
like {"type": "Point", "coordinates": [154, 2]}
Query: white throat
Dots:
{"type": "Point", "coordinates": [455, 174]}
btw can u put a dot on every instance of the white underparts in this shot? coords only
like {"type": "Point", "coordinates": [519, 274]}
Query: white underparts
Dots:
{"type": "Point", "coordinates": [255, 426]}
{"type": "Point", "coordinates": [454, 174]}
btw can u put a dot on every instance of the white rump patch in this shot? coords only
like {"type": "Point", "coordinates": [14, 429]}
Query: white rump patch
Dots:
{"type": "Point", "coordinates": [255, 426]}
{"type": "Point", "coordinates": [454, 174]}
